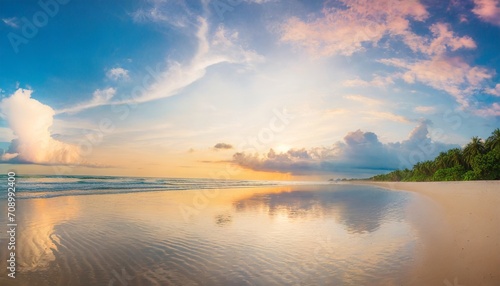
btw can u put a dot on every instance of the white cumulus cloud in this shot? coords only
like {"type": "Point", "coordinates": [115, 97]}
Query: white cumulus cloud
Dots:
{"type": "Point", "coordinates": [30, 121]}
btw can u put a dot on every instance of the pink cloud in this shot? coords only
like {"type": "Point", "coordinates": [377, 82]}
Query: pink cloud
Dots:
{"type": "Point", "coordinates": [488, 11]}
{"type": "Point", "coordinates": [344, 31]}
{"type": "Point", "coordinates": [494, 91]}
{"type": "Point", "coordinates": [444, 40]}
{"type": "Point", "coordinates": [493, 110]}
{"type": "Point", "coordinates": [450, 74]}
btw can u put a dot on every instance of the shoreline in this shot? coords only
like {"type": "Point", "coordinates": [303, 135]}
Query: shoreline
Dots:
{"type": "Point", "coordinates": [430, 186]}
{"type": "Point", "coordinates": [459, 223]}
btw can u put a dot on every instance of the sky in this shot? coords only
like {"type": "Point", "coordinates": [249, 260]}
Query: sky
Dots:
{"type": "Point", "coordinates": [243, 89]}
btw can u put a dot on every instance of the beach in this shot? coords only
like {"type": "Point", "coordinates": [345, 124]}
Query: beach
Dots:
{"type": "Point", "coordinates": [272, 235]}
{"type": "Point", "coordinates": [459, 224]}
{"type": "Point", "coordinates": [324, 234]}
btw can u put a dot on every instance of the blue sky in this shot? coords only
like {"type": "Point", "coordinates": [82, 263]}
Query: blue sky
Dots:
{"type": "Point", "coordinates": [293, 89]}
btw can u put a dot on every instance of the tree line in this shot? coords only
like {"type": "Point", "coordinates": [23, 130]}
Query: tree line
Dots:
{"type": "Point", "coordinates": [478, 160]}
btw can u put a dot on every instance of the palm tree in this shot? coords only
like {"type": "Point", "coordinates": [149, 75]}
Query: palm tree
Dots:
{"type": "Point", "coordinates": [455, 157]}
{"type": "Point", "coordinates": [429, 168]}
{"type": "Point", "coordinates": [473, 149]}
{"type": "Point", "coordinates": [442, 161]}
{"type": "Point", "coordinates": [494, 140]}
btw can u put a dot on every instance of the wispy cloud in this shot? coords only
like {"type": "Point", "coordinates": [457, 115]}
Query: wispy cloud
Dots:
{"type": "Point", "coordinates": [335, 111]}
{"type": "Point", "coordinates": [488, 11]}
{"type": "Point", "coordinates": [377, 81]}
{"type": "Point", "coordinates": [11, 22]}
{"type": "Point", "coordinates": [174, 13]}
{"type": "Point", "coordinates": [387, 116]}
{"type": "Point", "coordinates": [260, 1]}
{"type": "Point", "coordinates": [117, 73]}
{"type": "Point", "coordinates": [152, 14]}
{"type": "Point", "coordinates": [99, 97]}
{"type": "Point", "coordinates": [493, 110]}
{"type": "Point", "coordinates": [219, 48]}
{"type": "Point", "coordinates": [425, 109]}
{"type": "Point", "coordinates": [363, 99]}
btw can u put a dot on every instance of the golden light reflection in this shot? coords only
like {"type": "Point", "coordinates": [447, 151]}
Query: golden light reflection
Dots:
{"type": "Point", "coordinates": [38, 220]}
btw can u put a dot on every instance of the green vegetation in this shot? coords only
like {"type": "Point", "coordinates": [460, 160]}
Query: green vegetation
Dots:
{"type": "Point", "coordinates": [479, 160]}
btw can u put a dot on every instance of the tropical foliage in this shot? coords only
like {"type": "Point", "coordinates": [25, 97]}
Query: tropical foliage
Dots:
{"type": "Point", "coordinates": [478, 160]}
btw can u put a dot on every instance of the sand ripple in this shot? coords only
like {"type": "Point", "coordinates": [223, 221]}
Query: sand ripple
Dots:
{"type": "Point", "coordinates": [303, 236]}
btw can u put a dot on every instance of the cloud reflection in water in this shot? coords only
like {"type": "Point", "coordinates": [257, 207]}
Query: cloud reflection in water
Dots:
{"type": "Point", "coordinates": [358, 209]}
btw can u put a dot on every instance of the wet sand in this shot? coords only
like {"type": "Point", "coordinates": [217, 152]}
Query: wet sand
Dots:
{"type": "Point", "coordinates": [459, 227]}
{"type": "Point", "coordinates": [298, 235]}
{"type": "Point", "coordinates": [425, 234]}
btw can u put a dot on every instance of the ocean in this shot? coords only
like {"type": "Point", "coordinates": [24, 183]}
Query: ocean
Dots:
{"type": "Point", "coordinates": [47, 186]}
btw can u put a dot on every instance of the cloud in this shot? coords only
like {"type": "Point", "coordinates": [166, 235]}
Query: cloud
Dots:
{"type": "Point", "coordinates": [444, 40]}
{"type": "Point", "coordinates": [30, 122]}
{"type": "Point", "coordinates": [387, 116]}
{"type": "Point", "coordinates": [450, 74]}
{"type": "Point", "coordinates": [438, 68]}
{"type": "Point", "coordinates": [6, 134]}
{"type": "Point", "coordinates": [493, 110]}
{"type": "Point", "coordinates": [11, 22]}
{"type": "Point", "coordinates": [223, 146]}
{"type": "Point", "coordinates": [345, 31]}
{"type": "Point", "coordinates": [99, 97]}
{"type": "Point", "coordinates": [174, 13]}
{"type": "Point", "coordinates": [377, 81]}
{"type": "Point", "coordinates": [153, 14]}
{"type": "Point", "coordinates": [488, 11]}
{"type": "Point", "coordinates": [218, 48]}
{"type": "Point", "coordinates": [363, 99]}
{"type": "Point", "coordinates": [494, 91]}
{"type": "Point", "coordinates": [425, 109]}
{"type": "Point", "coordinates": [260, 1]}
{"type": "Point", "coordinates": [118, 73]}
{"type": "Point", "coordinates": [359, 153]}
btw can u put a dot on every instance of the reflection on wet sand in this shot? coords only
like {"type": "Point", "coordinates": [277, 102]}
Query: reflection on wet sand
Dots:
{"type": "Point", "coordinates": [360, 210]}
{"type": "Point", "coordinates": [37, 238]}
{"type": "Point", "coordinates": [318, 235]}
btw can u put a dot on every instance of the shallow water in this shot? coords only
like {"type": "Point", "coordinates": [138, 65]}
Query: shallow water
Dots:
{"type": "Point", "coordinates": [295, 235]}
{"type": "Point", "coordinates": [37, 186]}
